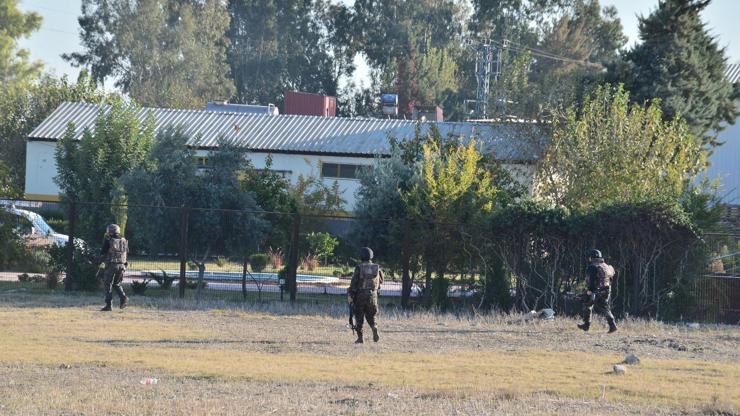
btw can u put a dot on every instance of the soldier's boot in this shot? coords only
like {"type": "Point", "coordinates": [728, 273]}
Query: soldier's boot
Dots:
{"type": "Point", "coordinates": [376, 337]}
{"type": "Point", "coordinates": [106, 308]}
{"type": "Point", "coordinates": [124, 302]}
{"type": "Point", "coordinates": [584, 326]}
{"type": "Point", "coordinates": [359, 337]}
{"type": "Point", "coordinates": [612, 325]}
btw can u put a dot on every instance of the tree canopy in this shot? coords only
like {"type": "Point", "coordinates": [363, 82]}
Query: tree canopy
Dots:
{"type": "Point", "coordinates": [22, 109]}
{"type": "Point", "coordinates": [609, 150]}
{"type": "Point", "coordinates": [89, 170]}
{"type": "Point", "coordinates": [164, 53]}
{"type": "Point", "coordinates": [679, 62]}
{"type": "Point", "coordinates": [16, 67]}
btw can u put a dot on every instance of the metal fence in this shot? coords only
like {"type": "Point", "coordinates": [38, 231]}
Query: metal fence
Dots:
{"type": "Point", "coordinates": [234, 255]}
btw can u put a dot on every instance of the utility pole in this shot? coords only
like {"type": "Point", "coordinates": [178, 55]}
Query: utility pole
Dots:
{"type": "Point", "coordinates": [483, 64]}
{"type": "Point", "coordinates": [485, 67]}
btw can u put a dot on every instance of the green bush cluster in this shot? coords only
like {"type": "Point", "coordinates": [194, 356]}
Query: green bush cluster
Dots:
{"type": "Point", "coordinates": [258, 262]}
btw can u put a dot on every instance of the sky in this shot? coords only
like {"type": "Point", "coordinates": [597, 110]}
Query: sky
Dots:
{"type": "Point", "coordinates": [59, 30]}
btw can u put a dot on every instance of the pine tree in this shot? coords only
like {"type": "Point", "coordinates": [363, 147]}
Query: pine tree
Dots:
{"type": "Point", "coordinates": [681, 63]}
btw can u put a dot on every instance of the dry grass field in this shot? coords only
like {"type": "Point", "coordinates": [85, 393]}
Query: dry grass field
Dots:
{"type": "Point", "coordinates": [59, 356]}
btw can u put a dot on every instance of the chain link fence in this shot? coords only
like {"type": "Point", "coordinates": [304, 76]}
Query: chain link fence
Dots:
{"type": "Point", "coordinates": [233, 255]}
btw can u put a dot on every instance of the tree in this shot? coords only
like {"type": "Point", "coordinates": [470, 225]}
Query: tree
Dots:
{"type": "Point", "coordinates": [223, 218]}
{"type": "Point", "coordinates": [321, 244]}
{"type": "Point", "coordinates": [164, 53]}
{"type": "Point", "coordinates": [167, 178]}
{"type": "Point", "coordinates": [279, 45]}
{"type": "Point", "coordinates": [22, 109]}
{"type": "Point", "coordinates": [384, 215]}
{"type": "Point", "coordinates": [609, 151]}
{"type": "Point", "coordinates": [682, 64]}
{"type": "Point", "coordinates": [414, 45]}
{"type": "Point", "coordinates": [16, 69]}
{"type": "Point", "coordinates": [90, 169]}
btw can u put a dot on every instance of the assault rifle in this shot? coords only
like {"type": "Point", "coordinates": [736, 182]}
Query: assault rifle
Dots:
{"type": "Point", "coordinates": [351, 325]}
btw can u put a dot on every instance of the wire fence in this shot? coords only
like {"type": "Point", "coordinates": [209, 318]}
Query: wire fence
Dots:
{"type": "Point", "coordinates": [236, 256]}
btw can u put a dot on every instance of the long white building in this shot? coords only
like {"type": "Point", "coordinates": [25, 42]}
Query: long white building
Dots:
{"type": "Point", "coordinates": [327, 147]}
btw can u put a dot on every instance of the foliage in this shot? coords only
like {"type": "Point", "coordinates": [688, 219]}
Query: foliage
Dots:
{"type": "Point", "coordinates": [226, 221]}
{"type": "Point", "coordinates": [23, 109]}
{"type": "Point", "coordinates": [34, 260]}
{"type": "Point", "coordinates": [89, 170]}
{"type": "Point", "coordinates": [413, 45]}
{"type": "Point", "coordinates": [193, 284]}
{"type": "Point", "coordinates": [16, 69]}
{"type": "Point", "coordinates": [439, 289]}
{"type": "Point", "coordinates": [272, 192]}
{"type": "Point", "coordinates": [163, 279]}
{"type": "Point", "coordinates": [139, 286]}
{"type": "Point", "coordinates": [681, 63]}
{"type": "Point", "coordinates": [313, 196]}
{"type": "Point", "coordinates": [276, 46]}
{"type": "Point", "coordinates": [276, 258]}
{"type": "Point", "coordinates": [258, 262]}
{"type": "Point", "coordinates": [309, 262]}
{"type": "Point", "coordinates": [608, 150]}
{"type": "Point", "coordinates": [166, 178]}
{"type": "Point", "coordinates": [451, 184]}
{"type": "Point", "coordinates": [36, 278]}
{"type": "Point", "coordinates": [52, 279]}
{"type": "Point", "coordinates": [163, 53]}
{"type": "Point", "coordinates": [321, 244]}
{"type": "Point", "coordinates": [85, 267]}
{"type": "Point", "coordinates": [437, 76]}
{"type": "Point", "coordinates": [12, 250]}
{"type": "Point", "coordinates": [549, 51]}
{"type": "Point", "coordinates": [653, 246]}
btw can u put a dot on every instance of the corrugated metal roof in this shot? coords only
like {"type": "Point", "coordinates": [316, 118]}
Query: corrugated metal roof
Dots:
{"type": "Point", "coordinates": [301, 134]}
{"type": "Point", "coordinates": [732, 72]}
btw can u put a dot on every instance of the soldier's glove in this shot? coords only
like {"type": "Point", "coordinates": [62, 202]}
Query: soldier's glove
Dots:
{"type": "Point", "coordinates": [101, 266]}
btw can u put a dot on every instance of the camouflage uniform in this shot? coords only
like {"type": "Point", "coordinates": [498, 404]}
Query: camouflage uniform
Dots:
{"type": "Point", "coordinates": [115, 256]}
{"type": "Point", "coordinates": [363, 291]}
{"type": "Point", "coordinates": [600, 276]}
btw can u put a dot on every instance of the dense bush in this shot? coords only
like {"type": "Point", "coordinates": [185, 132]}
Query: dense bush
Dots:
{"type": "Point", "coordinates": [139, 287]}
{"type": "Point", "coordinates": [258, 262]}
{"type": "Point", "coordinates": [85, 271]}
{"type": "Point", "coordinates": [652, 245]}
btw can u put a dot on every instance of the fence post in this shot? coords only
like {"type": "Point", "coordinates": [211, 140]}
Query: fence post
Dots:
{"type": "Point", "coordinates": [293, 261]}
{"type": "Point", "coordinates": [183, 250]}
{"type": "Point", "coordinates": [69, 279]}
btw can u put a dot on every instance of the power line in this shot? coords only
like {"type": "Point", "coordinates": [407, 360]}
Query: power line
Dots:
{"type": "Point", "coordinates": [49, 29]}
{"type": "Point", "coordinates": [547, 55]}
{"type": "Point", "coordinates": [35, 6]}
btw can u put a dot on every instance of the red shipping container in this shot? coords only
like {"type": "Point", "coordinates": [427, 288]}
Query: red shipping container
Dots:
{"type": "Point", "coordinates": [307, 104]}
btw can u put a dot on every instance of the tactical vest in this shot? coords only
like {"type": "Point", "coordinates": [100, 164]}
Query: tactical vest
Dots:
{"type": "Point", "coordinates": [605, 273]}
{"type": "Point", "coordinates": [118, 251]}
{"type": "Point", "coordinates": [369, 276]}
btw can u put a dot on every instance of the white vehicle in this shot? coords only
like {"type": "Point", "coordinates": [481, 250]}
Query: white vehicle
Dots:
{"type": "Point", "coordinates": [32, 225]}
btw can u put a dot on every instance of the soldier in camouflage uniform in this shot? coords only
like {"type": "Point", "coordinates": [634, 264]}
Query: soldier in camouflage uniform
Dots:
{"type": "Point", "coordinates": [600, 277]}
{"type": "Point", "coordinates": [363, 293]}
{"type": "Point", "coordinates": [114, 257]}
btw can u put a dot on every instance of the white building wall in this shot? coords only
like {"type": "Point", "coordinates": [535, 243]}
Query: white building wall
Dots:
{"type": "Point", "coordinates": [310, 165]}
{"type": "Point", "coordinates": [725, 164]}
{"type": "Point", "coordinates": [41, 169]}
